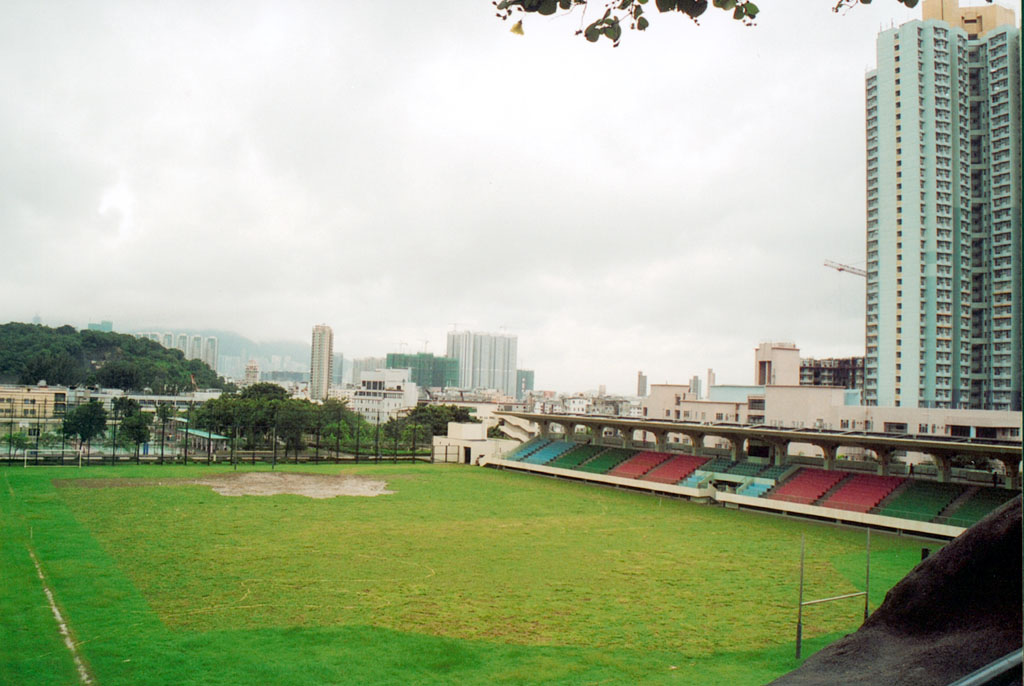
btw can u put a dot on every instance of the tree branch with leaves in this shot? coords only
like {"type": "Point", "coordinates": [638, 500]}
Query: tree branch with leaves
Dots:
{"type": "Point", "coordinates": [633, 14]}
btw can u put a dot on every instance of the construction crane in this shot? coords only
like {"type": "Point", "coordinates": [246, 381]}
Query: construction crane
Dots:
{"type": "Point", "coordinates": [845, 268]}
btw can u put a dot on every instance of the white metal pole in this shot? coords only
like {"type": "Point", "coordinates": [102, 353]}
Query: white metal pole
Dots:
{"type": "Point", "coordinates": [867, 574]}
{"type": "Point", "coordinates": [800, 605]}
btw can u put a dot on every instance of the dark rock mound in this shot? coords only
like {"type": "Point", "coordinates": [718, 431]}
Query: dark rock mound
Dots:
{"type": "Point", "coordinates": [957, 611]}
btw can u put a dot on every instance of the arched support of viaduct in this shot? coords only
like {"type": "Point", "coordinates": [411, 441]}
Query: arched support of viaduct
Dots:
{"type": "Point", "coordinates": [697, 439]}
{"type": "Point", "coordinates": [1012, 472]}
{"type": "Point", "coordinates": [660, 440]}
{"type": "Point", "coordinates": [779, 450]}
{"type": "Point", "coordinates": [828, 450]}
{"type": "Point", "coordinates": [944, 466]}
{"type": "Point", "coordinates": [884, 456]}
{"type": "Point", "coordinates": [737, 447]}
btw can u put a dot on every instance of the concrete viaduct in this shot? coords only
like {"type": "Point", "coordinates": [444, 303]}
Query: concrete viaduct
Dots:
{"type": "Point", "coordinates": [941, 449]}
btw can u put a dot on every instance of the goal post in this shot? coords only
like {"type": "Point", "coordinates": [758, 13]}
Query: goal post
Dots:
{"type": "Point", "coordinates": [802, 603]}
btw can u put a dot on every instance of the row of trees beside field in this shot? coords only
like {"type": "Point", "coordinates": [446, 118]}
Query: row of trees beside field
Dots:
{"type": "Point", "coordinates": [262, 416]}
{"type": "Point", "coordinates": [259, 418]}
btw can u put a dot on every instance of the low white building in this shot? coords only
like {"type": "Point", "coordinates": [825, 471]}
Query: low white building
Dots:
{"type": "Point", "coordinates": [577, 404]}
{"type": "Point", "coordinates": [147, 401]}
{"type": "Point", "coordinates": [468, 444]}
{"type": "Point", "coordinates": [832, 408]}
{"type": "Point", "coordinates": [383, 394]}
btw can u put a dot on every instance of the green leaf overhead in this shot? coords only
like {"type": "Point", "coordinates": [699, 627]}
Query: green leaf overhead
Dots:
{"type": "Point", "coordinates": [615, 11]}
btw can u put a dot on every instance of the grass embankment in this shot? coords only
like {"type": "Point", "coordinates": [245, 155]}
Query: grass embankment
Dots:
{"type": "Point", "coordinates": [462, 575]}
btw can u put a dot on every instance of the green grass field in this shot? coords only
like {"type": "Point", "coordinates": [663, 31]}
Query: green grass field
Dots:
{"type": "Point", "coordinates": [463, 575]}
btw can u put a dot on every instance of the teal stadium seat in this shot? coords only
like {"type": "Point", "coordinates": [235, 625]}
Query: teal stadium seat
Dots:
{"type": "Point", "coordinates": [548, 452]}
{"type": "Point", "coordinates": [974, 509]}
{"type": "Point", "coordinates": [577, 456]}
{"type": "Point", "coordinates": [921, 500]}
{"type": "Point", "coordinates": [606, 461]}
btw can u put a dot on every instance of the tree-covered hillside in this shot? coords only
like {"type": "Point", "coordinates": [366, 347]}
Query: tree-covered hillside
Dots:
{"type": "Point", "coordinates": [66, 357]}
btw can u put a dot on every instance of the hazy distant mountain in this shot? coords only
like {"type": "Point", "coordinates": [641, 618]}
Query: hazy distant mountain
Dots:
{"type": "Point", "coordinates": [234, 344]}
{"type": "Point", "coordinates": [234, 350]}
{"type": "Point", "coordinates": [231, 343]}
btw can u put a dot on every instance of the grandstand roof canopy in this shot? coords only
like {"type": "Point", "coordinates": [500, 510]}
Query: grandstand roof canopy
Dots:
{"type": "Point", "coordinates": [875, 441]}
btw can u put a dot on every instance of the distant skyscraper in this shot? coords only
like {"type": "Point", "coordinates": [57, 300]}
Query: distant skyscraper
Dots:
{"type": "Point", "coordinates": [211, 349]}
{"type": "Point", "coordinates": [181, 343]}
{"type": "Point", "coordinates": [641, 384]}
{"type": "Point", "coordinates": [524, 382]}
{"type": "Point", "coordinates": [252, 373]}
{"type": "Point", "coordinates": [338, 370]}
{"type": "Point", "coordinates": [195, 347]}
{"type": "Point", "coordinates": [321, 362]}
{"type": "Point", "coordinates": [106, 326]}
{"type": "Point", "coordinates": [485, 360]}
{"type": "Point", "coordinates": [943, 320]}
{"type": "Point", "coordinates": [426, 370]}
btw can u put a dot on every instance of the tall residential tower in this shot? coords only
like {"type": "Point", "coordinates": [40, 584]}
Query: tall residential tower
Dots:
{"type": "Point", "coordinates": [943, 212]}
{"type": "Point", "coordinates": [485, 360]}
{"type": "Point", "coordinates": [321, 364]}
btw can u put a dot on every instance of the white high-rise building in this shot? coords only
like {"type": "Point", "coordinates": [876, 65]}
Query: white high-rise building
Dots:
{"type": "Point", "coordinates": [321, 365]}
{"type": "Point", "coordinates": [943, 212]}
{"type": "Point", "coordinates": [195, 347]}
{"type": "Point", "coordinates": [485, 360]}
{"type": "Point", "coordinates": [210, 352]}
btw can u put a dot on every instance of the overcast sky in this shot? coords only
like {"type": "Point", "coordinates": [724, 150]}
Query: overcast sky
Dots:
{"type": "Point", "coordinates": [266, 166]}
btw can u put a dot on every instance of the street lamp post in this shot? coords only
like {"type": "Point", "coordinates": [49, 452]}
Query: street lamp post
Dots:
{"type": "Point", "coordinates": [62, 437]}
{"type": "Point", "coordinates": [10, 431]}
{"type": "Point", "coordinates": [188, 427]}
{"type": "Point", "coordinates": [319, 428]}
{"type": "Point", "coordinates": [39, 431]}
{"type": "Point", "coordinates": [113, 451]}
{"type": "Point", "coordinates": [337, 441]}
{"type": "Point", "coordinates": [376, 439]}
{"type": "Point", "coordinates": [274, 462]}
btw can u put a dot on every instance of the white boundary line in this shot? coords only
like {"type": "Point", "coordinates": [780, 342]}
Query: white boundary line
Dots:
{"type": "Point", "coordinates": [83, 673]}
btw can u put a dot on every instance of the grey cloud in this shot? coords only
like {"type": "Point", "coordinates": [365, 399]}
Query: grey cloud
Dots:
{"type": "Point", "coordinates": [663, 205]}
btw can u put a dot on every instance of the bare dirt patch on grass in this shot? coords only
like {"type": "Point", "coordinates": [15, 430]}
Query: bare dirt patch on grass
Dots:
{"type": "Point", "coordinates": [256, 483]}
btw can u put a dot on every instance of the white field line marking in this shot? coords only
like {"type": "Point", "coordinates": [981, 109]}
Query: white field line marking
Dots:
{"type": "Point", "coordinates": [83, 673]}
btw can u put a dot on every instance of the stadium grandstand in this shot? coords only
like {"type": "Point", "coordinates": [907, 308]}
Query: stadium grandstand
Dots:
{"type": "Point", "coordinates": [939, 501]}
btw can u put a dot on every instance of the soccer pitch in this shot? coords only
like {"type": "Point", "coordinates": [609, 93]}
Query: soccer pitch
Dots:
{"type": "Point", "coordinates": [461, 575]}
